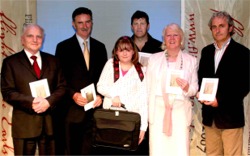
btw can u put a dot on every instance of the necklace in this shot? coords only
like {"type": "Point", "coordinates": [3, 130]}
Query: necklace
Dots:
{"type": "Point", "coordinates": [167, 56]}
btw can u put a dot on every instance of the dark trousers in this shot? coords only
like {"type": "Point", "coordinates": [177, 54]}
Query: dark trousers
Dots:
{"type": "Point", "coordinates": [79, 138]}
{"type": "Point", "coordinates": [27, 146]}
{"type": "Point", "coordinates": [143, 148]}
{"type": "Point", "coordinates": [58, 116]}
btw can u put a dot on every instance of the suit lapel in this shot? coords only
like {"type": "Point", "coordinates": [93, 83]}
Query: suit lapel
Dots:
{"type": "Point", "coordinates": [211, 53]}
{"type": "Point", "coordinates": [44, 63]}
{"type": "Point", "coordinates": [26, 63]}
{"type": "Point", "coordinates": [91, 54]}
{"type": "Point", "coordinates": [224, 59]}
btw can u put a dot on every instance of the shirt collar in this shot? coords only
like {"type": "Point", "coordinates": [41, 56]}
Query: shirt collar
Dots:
{"type": "Point", "coordinates": [223, 46]}
{"type": "Point", "coordinates": [81, 40]}
{"type": "Point", "coordinates": [38, 55]}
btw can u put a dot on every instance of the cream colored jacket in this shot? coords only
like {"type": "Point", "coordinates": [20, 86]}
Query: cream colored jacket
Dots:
{"type": "Point", "coordinates": [157, 67]}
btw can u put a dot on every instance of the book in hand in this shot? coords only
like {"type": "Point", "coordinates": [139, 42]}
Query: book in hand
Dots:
{"type": "Point", "coordinates": [40, 88]}
{"type": "Point", "coordinates": [143, 58]}
{"type": "Point", "coordinates": [208, 89]}
{"type": "Point", "coordinates": [90, 94]}
{"type": "Point", "coordinates": [172, 86]}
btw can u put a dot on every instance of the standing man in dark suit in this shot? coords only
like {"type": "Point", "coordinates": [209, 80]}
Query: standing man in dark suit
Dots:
{"type": "Point", "coordinates": [227, 60]}
{"type": "Point", "coordinates": [31, 119]}
{"type": "Point", "coordinates": [80, 73]}
{"type": "Point", "coordinates": [143, 40]}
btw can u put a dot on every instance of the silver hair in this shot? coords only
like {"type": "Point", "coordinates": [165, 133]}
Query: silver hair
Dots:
{"type": "Point", "coordinates": [178, 29]}
{"type": "Point", "coordinates": [222, 14]}
{"type": "Point", "coordinates": [29, 25]}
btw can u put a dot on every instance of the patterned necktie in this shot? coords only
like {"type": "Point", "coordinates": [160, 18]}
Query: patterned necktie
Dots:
{"type": "Point", "coordinates": [86, 53]}
{"type": "Point", "coordinates": [35, 66]}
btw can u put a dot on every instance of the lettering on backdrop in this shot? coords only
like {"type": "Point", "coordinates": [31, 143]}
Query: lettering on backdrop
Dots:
{"type": "Point", "coordinates": [202, 145]}
{"type": "Point", "coordinates": [5, 124]}
{"type": "Point", "coordinates": [191, 129]}
{"type": "Point", "coordinates": [7, 26]}
{"type": "Point", "coordinates": [28, 18]}
{"type": "Point", "coordinates": [192, 37]}
{"type": "Point", "coordinates": [249, 144]}
{"type": "Point", "coordinates": [193, 50]}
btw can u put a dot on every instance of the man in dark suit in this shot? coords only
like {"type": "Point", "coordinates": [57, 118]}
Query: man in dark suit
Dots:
{"type": "Point", "coordinates": [80, 73]}
{"type": "Point", "coordinates": [31, 119]}
{"type": "Point", "coordinates": [227, 60]}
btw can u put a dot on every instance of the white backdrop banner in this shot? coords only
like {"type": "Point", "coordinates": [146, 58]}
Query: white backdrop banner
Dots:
{"type": "Point", "coordinates": [195, 18]}
{"type": "Point", "coordinates": [13, 14]}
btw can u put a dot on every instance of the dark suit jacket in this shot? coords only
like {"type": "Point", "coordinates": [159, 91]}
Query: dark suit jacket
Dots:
{"type": "Point", "coordinates": [233, 74]}
{"type": "Point", "coordinates": [77, 76]}
{"type": "Point", "coordinates": [17, 73]}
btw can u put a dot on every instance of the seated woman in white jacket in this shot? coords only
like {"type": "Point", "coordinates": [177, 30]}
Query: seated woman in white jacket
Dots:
{"type": "Point", "coordinates": [122, 81]}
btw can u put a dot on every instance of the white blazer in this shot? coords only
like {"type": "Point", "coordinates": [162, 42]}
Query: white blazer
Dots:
{"type": "Point", "coordinates": [157, 67]}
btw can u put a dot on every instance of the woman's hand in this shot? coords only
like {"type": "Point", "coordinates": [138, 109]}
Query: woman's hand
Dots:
{"type": "Point", "coordinates": [141, 136]}
{"type": "Point", "coordinates": [116, 102]}
{"type": "Point", "coordinates": [98, 101]}
{"type": "Point", "coordinates": [184, 85]}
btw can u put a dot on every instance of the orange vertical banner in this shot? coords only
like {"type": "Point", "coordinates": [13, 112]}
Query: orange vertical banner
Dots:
{"type": "Point", "coordinates": [13, 15]}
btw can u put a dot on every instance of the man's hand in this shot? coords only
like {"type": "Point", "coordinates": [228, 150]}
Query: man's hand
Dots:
{"type": "Point", "coordinates": [40, 105]}
{"type": "Point", "coordinates": [98, 101]}
{"type": "Point", "coordinates": [209, 103]}
{"type": "Point", "coordinates": [79, 99]}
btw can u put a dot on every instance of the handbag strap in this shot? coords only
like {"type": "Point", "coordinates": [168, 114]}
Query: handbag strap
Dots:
{"type": "Point", "coordinates": [116, 70]}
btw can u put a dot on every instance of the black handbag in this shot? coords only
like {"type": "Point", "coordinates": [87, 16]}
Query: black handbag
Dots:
{"type": "Point", "coordinates": [116, 129]}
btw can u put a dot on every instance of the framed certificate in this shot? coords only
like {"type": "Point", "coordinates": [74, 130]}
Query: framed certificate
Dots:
{"type": "Point", "coordinates": [172, 86]}
{"type": "Point", "coordinates": [90, 94]}
{"type": "Point", "coordinates": [143, 58]}
{"type": "Point", "coordinates": [40, 88]}
{"type": "Point", "coordinates": [208, 89]}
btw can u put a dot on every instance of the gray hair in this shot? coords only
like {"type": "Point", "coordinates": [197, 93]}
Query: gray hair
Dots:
{"type": "Point", "coordinates": [178, 29]}
{"type": "Point", "coordinates": [30, 25]}
{"type": "Point", "coordinates": [222, 14]}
